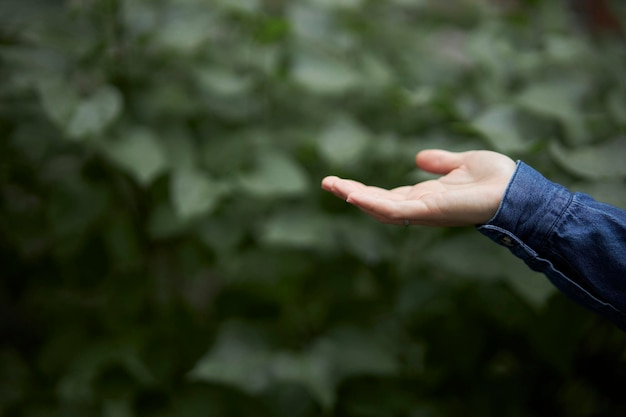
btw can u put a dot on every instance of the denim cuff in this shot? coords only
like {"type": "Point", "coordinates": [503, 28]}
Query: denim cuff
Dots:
{"type": "Point", "coordinates": [530, 208]}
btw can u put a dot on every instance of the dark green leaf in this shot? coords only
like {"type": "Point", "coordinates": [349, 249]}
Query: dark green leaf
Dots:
{"type": "Point", "coordinates": [594, 162]}
{"type": "Point", "coordinates": [275, 174]}
{"type": "Point", "coordinates": [140, 153]}
{"type": "Point", "coordinates": [193, 193]}
{"type": "Point", "coordinates": [95, 113]}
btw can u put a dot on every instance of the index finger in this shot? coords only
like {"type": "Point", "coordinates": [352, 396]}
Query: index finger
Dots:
{"type": "Point", "coordinates": [342, 187]}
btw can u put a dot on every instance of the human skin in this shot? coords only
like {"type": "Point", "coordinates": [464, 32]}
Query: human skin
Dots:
{"type": "Point", "coordinates": [469, 191]}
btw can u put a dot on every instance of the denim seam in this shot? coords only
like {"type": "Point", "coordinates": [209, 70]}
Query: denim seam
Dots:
{"type": "Point", "coordinates": [566, 207]}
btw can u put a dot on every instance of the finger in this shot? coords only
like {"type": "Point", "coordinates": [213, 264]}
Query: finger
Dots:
{"type": "Point", "coordinates": [393, 211]}
{"type": "Point", "coordinates": [342, 187]}
{"type": "Point", "coordinates": [438, 161]}
{"type": "Point", "coordinates": [386, 220]}
{"type": "Point", "coordinates": [407, 212]}
{"type": "Point", "coordinates": [327, 182]}
{"type": "Point", "coordinates": [394, 194]}
{"type": "Point", "coordinates": [403, 190]}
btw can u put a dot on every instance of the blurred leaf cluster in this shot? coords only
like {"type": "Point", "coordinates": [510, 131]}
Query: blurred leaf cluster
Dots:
{"type": "Point", "coordinates": [165, 248]}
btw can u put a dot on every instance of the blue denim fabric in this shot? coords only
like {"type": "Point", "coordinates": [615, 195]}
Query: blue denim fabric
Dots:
{"type": "Point", "coordinates": [577, 242]}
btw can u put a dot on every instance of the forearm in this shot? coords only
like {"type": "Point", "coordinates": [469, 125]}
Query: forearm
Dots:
{"type": "Point", "coordinates": [578, 243]}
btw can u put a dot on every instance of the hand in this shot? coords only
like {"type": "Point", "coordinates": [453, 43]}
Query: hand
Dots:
{"type": "Point", "coordinates": [468, 193]}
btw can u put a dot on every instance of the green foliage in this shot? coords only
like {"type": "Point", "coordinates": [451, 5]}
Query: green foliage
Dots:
{"type": "Point", "coordinates": [166, 250]}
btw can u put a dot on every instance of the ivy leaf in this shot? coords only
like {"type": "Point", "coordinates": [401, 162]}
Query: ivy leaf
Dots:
{"type": "Point", "coordinates": [87, 365]}
{"type": "Point", "coordinates": [324, 74]}
{"type": "Point", "coordinates": [560, 101]}
{"type": "Point", "coordinates": [534, 288]}
{"type": "Point", "coordinates": [453, 256]}
{"type": "Point", "coordinates": [343, 4]}
{"type": "Point", "coordinates": [140, 153]}
{"type": "Point", "coordinates": [343, 142]}
{"type": "Point", "coordinates": [617, 106]}
{"type": "Point", "coordinates": [58, 100]}
{"type": "Point", "coordinates": [596, 162]}
{"type": "Point", "coordinates": [362, 240]}
{"type": "Point", "coordinates": [164, 222]}
{"type": "Point", "coordinates": [247, 6]}
{"type": "Point", "coordinates": [275, 174]}
{"type": "Point", "coordinates": [345, 352]}
{"type": "Point", "coordinates": [287, 229]}
{"type": "Point", "coordinates": [185, 30]}
{"type": "Point", "coordinates": [193, 193]}
{"type": "Point", "coordinates": [241, 357]}
{"type": "Point", "coordinates": [80, 118]}
{"type": "Point", "coordinates": [117, 408]}
{"type": "Point", "coordinates": [309, 22]}
{"type": "Point", "coordinates": [500, 127]}
{"type": "Point", "coordinates": [95, 113]}
{"type": "Point", "coordinates": [608, 191]}
{"type": "Point", "coordinates": [552, 100]}
{"type": "Point", "coordinates": [485, 261]}
{"type": "Point", "coordinates": [224, 82]}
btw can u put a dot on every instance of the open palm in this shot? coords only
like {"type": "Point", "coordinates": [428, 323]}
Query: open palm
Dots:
{"type": "Point", "coordinates": [468, 193]}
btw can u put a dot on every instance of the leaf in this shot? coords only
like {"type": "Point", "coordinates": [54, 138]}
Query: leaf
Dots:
{"type": "Point", "coordinates": [59, 100]}
{"type": "Point", "coordinates": [164, 222]}
{"type": "Point", "coordinates": [357, 351]}
{"type": "Point", "coordinates": [473, 257]}
{"type": "Point", "coordinates": [179, 147]}
{"type": "Point", "coordinates": [275, 174]}
{"type": "Point", "coordinates": [95, 113]}
{"type": "Point", "coordinates": [560, 101]}
{"type": "Point", "coordinates": [242, 358]}
{"type": "Point", "coordinates": [533, 288]}
{"type": "Point", "coordinates": [414, 3]}
{"type": "Point", "coordinates": [557, 100]}
{"type": "Point", "coordinates": [247, 6]}
{"type": "Point", "coordinates": [312, 370]}
{"type": "Point", "coordinates": [617, 106]}
{"type": "Point", "coordinates": [78, 384]}
{"type": "Point", "coordinates": [377, 72]}
{"type": "Point", "coordinates": [363, 241]}
{"type": "Point", "coordinates": [186, 30]}
{"type": "Point", "coordinates": [308, 22]}
{"type": "Point", "coordinates": [345, 352]}
{"type": "Point", "coordinates": [80, 118]}
{"type": "Point", "coordinates": [500, 127]}
{"type": "Point", "coordinates": [608, 191]}
{"type": "Point", "coordinates": [297, 229]}
{"type": "Point", "coordinates": [466, 255]}
{"type": "Point", "coordinates": [140, 153]}
{"type": "Point", "coordinates": [224, 82]}
{"type": "Point", "coordinates": [122, 242]}
{"type": "Point", "coordinates": [193, 193]}
{"type": "Point", "coordinates": [564, 49]}
{"type": "Point", "coordinates": [117, 408]}
{"type": "Point", "coordinates": [75, 206]}
{"type": "Point", "coordinates": [343, 142]}
{"type": "Point", "coordinates": [597, 162]}
{"type": "Point", "coordinates": [343, 4]}
{"type": "Point", "coordinates": [324, 74]}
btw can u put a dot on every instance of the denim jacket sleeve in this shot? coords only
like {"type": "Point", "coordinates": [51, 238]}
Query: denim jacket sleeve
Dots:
{"type": "Point", "coordinates": [577, 242]}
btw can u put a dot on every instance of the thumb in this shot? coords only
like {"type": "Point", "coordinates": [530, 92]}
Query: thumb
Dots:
{"type": "Point", "coordinates": [438, 161]}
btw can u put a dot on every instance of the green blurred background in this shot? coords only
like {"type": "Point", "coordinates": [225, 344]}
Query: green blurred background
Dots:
{"type": "Point", "coordinates": [165, 248]}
